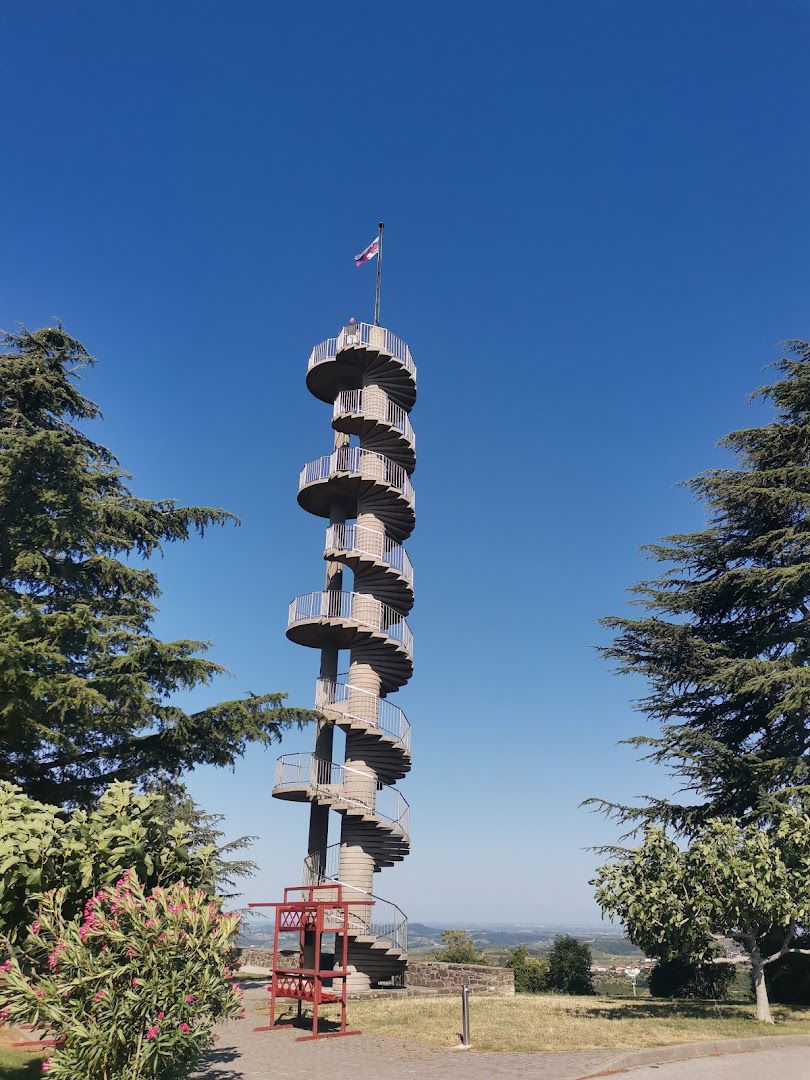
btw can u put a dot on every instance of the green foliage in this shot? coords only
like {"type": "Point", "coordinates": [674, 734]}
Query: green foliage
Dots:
{"type": "Point", "coordinates": [685, 979]}
{"type": "Point", "coordinates": [133, 989]}
{"type": "Point", "coordinates": [86, 689]}
{"type": "Point", "coordinates": [204, 834]}
{"type": "Point", "coordinates": [569, 966]}
{"type": "Point", "coordinates": [735, 880]}
{"type": "Point", "coordinates": [44, 848]}
{"type": "Point", "coordinates": [725, 641]}
{"type": "Point", "coordinates": [459, 948]}
{"type": "Point", "coordinates": [531, 974]}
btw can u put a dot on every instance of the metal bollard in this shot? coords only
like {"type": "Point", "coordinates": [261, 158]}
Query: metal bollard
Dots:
{"type": "Point", "coordinates": [465, 1014]}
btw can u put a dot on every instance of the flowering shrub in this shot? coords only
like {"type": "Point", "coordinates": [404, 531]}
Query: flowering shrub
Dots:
{"type": "Point", "coordinates": [43, 848]}
{"type": "Point", "coordinates": [132, 989]}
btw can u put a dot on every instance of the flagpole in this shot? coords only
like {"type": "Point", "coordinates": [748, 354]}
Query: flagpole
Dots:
{"type": "Point", "coordinates": [378, 286]}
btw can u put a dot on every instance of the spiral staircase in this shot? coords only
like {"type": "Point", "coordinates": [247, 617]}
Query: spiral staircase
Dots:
{"type": "Point", "coordinates": [363, 489]}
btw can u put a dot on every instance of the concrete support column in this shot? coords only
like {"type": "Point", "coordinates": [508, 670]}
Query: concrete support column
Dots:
{"type": "Point", "coordinates": [371, 534]}
{"type": "Point", "coordinates": [318, 838]}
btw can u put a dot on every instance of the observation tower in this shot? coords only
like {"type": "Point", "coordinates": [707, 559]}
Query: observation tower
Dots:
{"type": "Point", "coordinates": [363, 490]}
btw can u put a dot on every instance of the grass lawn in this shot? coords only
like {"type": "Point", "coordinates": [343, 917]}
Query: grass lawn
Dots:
{"type": "Point", "coordinates": [18, 1064]}
{"type": "Point", "coordinates": [558, 1022]}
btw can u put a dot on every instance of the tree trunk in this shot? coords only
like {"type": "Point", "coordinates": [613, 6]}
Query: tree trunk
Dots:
{"type": "Point", "coordinates": [763, 1005]}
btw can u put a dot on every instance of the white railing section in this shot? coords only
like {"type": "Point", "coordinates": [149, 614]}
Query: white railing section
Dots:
{"type": "Point", "coordinates": [383, 921]}
{"type": "Point", "coordinates": [327, 350]}
{"type": "Point", "coordinates": [368, 464]}
{"type": "Point", "coordinates": [359, 609]}
{"type": "Point", "coordinates": [364, 707]}
{"type": "Point", "coordinates": [374, 405]}
{"type": "Point", "coordinates": [363, 334]}
{"type": "Point", "coordinates": [371, 542]}
{"type": "Point", "coordinates": [344, 787]}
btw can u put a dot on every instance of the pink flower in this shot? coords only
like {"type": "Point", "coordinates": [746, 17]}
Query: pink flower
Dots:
{"type": "Point", "coordinates": [185, 1027]}
{"type": "Point", "coordinates": [130, 951]}
{"type": "Point", "coordinates": [152, 1032]}
{"type": "Point", "coordinates": [6, 965]}
{"type": "Point", "coordinates": [161, 1015]}
{"type": "Point", "coordinates": [53, 959]}
{"type": "Point", "coordinates": [188, 998]}
{"type": "Point", "coordinates": [35, 926]}
{"type": "Point", "coordinates": [99, 994]}
{"type": "Point", "coordinates": [46, 1065]}
{"type": "Point", "coordinates": [40, 993]}
{"type": "Point", "coordinates": [135, 982]}
{"type": "Point", "coordinates": [4, 1014]}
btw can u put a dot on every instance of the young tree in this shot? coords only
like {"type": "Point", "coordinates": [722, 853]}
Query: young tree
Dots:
{"type": "Point", "coordinates": [459, 948]}
{"type": "Point", "coordinates": [531, 974]}
{"type": "Point", "coordinates": [569, 966]}
{"type": "Point", "coordinates": [86, 689]}
{"type": "Point", "coordinates": [735, 881]}
{"type": "Point", "coordinates": [725, 643]}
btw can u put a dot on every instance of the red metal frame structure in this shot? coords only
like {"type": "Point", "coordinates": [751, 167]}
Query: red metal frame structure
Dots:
{"type": "Point", "coordinates": [308, 916]}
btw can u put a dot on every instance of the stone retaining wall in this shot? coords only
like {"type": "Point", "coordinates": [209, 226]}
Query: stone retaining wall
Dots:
{"type": "Point", "coordinates": [449, 977]}
{"type": "Point", "coordinates": [263, 958]}
{"type": "Point", "coordinates": [419, 975]}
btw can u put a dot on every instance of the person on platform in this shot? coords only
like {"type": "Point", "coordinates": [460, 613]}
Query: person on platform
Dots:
{"type": "Point", "coordinates": [352, 332]}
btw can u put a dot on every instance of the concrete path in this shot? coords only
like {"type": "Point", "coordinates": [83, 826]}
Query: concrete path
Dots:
{"type": "Point", "coordinates": [244, 1054]}
{"type": "Point", "coordinates": [781, 1063]}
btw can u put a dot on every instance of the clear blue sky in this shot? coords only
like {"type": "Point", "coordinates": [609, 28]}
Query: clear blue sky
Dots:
{"type": "Point", "coordinates": [597, 222]}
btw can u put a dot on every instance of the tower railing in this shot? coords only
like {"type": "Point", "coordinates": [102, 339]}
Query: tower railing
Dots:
{"type": "Point", "coordinates": [371, 542]}
{"type": "Point", "coordinates": [367, 463]}
{"type": "Point", "coordinates": [366, 334]}
{"type": "Point", "coordinates": [357, 609]}
{"type": "Point", "coordinates": [388, 921]}
{"type": "Point", "coordinates": [326, 779]}
{"type": "Point", "coordinates": [376, 711]}
{"type": "Point", "coordinates": [374, 406]}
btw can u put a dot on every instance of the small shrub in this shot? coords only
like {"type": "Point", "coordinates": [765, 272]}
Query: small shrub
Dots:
{"type": "Point", "coordinates": [682, 979]}
{"type": "Point", "coordinates": [531, 975]}
{"type": "Point", "coordinates": [459, 948]}
{"type": "Point", "coordinates": [569, 966]}
{"type": "Point", "coordinates": [132, 990]}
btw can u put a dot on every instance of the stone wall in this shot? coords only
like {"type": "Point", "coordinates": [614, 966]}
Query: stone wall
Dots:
{"type": "Point", "coordinates": [420, 974]}
{"type": "Point", "coordinates": [263, 958]}
{"type": "Point", "coordinates": [449, 977]}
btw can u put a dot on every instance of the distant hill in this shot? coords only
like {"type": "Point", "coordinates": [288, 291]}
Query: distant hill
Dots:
{"type": "Point", "coordinates": [494, 941]}
{"type": "Point", "coordinates": [539, 939]}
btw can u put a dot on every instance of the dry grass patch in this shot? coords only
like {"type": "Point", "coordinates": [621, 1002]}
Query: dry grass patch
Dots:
{"type": "Point", "coordinates": [557, 1022]}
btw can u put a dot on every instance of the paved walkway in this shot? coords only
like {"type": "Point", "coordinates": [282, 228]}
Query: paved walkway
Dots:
{"type": "Point", "coordinates": [244, 1054]}
{"type": "Point", "coordinates": [778, 1064]}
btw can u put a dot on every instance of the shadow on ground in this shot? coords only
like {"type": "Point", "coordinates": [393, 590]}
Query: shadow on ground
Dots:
{"type": "Point", "coordinates": [28, 1071]}
{"type": "Point", "coordinates": [223, 1055]}
{"type": "Point", "coordinates": [681, 1010]}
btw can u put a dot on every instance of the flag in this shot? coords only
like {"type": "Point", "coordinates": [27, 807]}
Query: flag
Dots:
{"type": "Point", "coordinates": [368, 253]}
